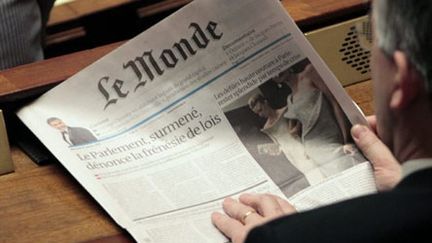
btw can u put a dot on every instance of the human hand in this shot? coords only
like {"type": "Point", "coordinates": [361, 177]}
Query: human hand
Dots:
{"type": "Point", "coordinates": [386, 169]}
{"type": "Point", "coordinates": [250, 211]}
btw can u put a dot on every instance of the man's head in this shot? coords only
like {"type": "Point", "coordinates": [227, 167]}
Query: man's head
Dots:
{"type": "Point", "coordinates": [401, 63]}
{"type": "Point", "coordinates": [57, 124]}
{"type": "Point", "coordinates": [259, 105]}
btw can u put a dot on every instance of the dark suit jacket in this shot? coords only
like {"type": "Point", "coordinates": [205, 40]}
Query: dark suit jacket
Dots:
{"type": "Point", "coordinates": [401, 215]}
{"type": "Point", "coordinates": [79, 135]}
{"type": "Point", "coordinates": [22, 24]}
{"type": "Point", "coordinates": [248, 128]}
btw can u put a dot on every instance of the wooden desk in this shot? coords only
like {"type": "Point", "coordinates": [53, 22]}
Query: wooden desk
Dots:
{"type": "Point", "coordinates": [45, 203]}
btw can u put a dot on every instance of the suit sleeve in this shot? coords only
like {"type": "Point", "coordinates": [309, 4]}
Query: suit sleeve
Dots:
{"type": "Point", "coordinates": [20, 33]}
{"type": "Point", "coordinates": [386, 217]}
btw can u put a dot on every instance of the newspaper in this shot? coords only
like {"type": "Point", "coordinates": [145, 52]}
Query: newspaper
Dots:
{"type": "Point", "coordinates": [221, 98]}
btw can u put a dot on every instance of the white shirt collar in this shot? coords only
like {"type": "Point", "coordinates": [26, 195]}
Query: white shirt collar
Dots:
{"type": "Point", "coordinates": [412, 166]}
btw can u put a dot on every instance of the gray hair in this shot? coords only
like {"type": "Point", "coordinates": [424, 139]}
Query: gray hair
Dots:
{"type": "Point", "coordinates": [405, 25]}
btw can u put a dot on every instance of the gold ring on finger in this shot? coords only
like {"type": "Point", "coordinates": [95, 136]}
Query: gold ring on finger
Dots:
{"type": "Point", "coordinates": [247, 214]}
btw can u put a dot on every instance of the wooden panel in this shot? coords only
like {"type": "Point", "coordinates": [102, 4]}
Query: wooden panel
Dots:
{"type": "Point", "coordinates": [76, 9]}
{"type": "Point", "coordinates": [61, 14]}
{"type": "Point", "coordinates": [161, 7]}
{"type": "Point", "coordinates": [313, 11]}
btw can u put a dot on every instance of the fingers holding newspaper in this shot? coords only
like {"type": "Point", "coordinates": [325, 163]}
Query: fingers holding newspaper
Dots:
{"type": "Point", "coordinates": [386, 169]}
{"type": "Point", "coordinates": [248, 212]}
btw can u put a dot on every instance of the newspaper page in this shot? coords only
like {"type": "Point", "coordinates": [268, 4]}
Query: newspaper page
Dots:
{"type": "Point", "coordinates": [221, 98]}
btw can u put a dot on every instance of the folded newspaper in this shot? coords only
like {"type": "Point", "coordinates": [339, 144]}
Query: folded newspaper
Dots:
{"type": "Point", "coordinates": [221, 98]}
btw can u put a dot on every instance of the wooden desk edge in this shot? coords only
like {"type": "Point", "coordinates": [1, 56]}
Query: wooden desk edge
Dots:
{"type": "Point", "coordinates": [15, 82]}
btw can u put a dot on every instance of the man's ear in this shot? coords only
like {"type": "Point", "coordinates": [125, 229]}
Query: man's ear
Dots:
{"type": "Point", "coordinates": [406, 82]}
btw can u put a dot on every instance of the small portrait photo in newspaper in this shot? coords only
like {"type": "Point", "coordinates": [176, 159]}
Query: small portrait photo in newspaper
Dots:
{"type": "Point", "coordinates": [72, 136]}
{"type": "Point", "coordinates": [295, 129]}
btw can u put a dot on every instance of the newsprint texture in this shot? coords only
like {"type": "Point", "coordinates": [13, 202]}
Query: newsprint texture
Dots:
{"type": "Point", "coordinates": [223, 97]}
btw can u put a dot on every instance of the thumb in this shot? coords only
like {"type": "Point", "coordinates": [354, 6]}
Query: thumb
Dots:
{"type": "Point", "coordinates": [387, 170]}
